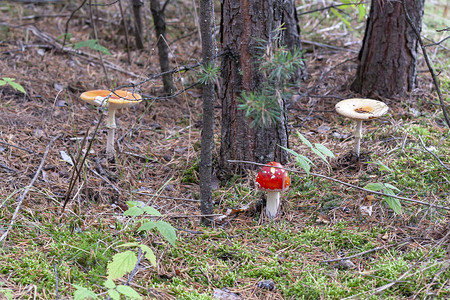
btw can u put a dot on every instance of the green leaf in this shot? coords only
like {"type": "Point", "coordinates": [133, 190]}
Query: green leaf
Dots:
{"type": "Point", "coordinates": [167, 231]}
{"type": "Point", "coordinates": [121, 264]}
{"type": "Point", "coordinates": [149, 254]}
{"type": "Point", "coordinates": [319, 154]}
{"type": "Point", "coordinates": [68, 36]}
{"type": "Point", "coordinates": [303, 164]}
{"type": "Point", "coordinates": [17, 86]}
{"type": "Point", "coordinates": [133, 211]}
{"type": "Point", "coordinates": [151, 211]}
{"type": "Point", "coordinates": [374, 186]}
{"type": "Point", "coordinates": [129, 292]}
{"type": "Point", "coordinates": [83, 293]}
{"type": "Point", "coordinates": [7, 293]}
{"type": "Point", "coordinates": [304, 140]}
{"type": "Point", "coordinates": [383, 167]}
{"type": "Point", "coordinates": [132, 244]}
{"type": "Point", "coordinates": [109, 284]}
{"type": "Point", "coordinates": [147, 226]}
{"type": "Point", "coordinates": [361, 11]}
{"type": "Point", "coordinates": [324, 150]}
{"type": "Point", "coordinates": [114, 294]}
{"type": "Point", "coordinates": [87, 43]}
{"type": "Point", "coordinates": [134, 203]}
{"type": "Point", "coordinates": [390, 186]}
{"type": "Point", "coordinates": [100, 48]}
{"type": "Point", "coordinates": [297, 155]}
{"type": "Point", "coordinates": [345, 21]}
{"type": "Point", "coordinates": [393, 203]}
{"type": "Point", "coordinates": [14, 85]}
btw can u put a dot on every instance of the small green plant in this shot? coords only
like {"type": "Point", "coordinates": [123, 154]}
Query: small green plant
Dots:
{"type": "Point", "coordinates": [125, 262]}
{"type": "Point", "coordinates": [93, 44]}
{"type": "Point", "coordinates": [389, 189]}
{"type": "Point", "coordinates": [318, 149]}
{"type": "Point", "coordinates": [6, 292]}
{"type": "Point", "coordinates": [351, 5]}
{"type": "Point", "coordinates": [209, 73]}
{"type": "Point", "coordinates": [278, 65]}
{"type": "Point", "coordinates": [13, 84]}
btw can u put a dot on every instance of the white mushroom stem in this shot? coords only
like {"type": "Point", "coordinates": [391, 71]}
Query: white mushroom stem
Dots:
{"type": "Point", "coordinates": [358, 136]}
{"type": "Point", "coordinates": [272, 204]}
{"type": "Point", "coordinates": [111, 125]}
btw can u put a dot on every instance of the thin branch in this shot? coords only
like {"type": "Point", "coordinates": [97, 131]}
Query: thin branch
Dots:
{"type": "Point", "coordinates": [364, 253]}
{"type": "Point", "coordinates": [56, 281]}
{"type": "Point", "coordinates": [134, 271]}
{"type": "Point", "coordinates": [438, 43]}
{"type": "Point", "coordinates": [126, 32]}
{"type": "Point", "coordinates": [328, 46]}
{"type": "Point", "coordinates": [430, 67]}
{"type": "Point", "coordinates": [347, 184]}
{"type": "Point", "coordinates": [94, 28]}
{"type": "Point", "coordinates": [18, 147]}
{"type": "Point", "coordinates": [167, 197]}
{"type": "Point", "coordinates": [8, 169]}
{"type": "Point", "coordinates": [435, 156]}
{"type": "Point", "coordinates": [66, 31]}
{"type": "Point", "coordinates": [325, 8]}
{"type": "Point", "coordinates": [27, 189]}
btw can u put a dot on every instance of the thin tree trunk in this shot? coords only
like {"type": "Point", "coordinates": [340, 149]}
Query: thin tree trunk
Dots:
{"type": "Point", "coordinates": [243, 25]}
{"type": "Point", "coordinates": [163, 49]}
{"type": "Point", "coordinates": [291, 34]}
{"type": "Point", "coordinates": [137, 5]}
{"type": "Point", "coordinates": [206, 206]}
{"type": "Point", "coordinates": [388, 57]}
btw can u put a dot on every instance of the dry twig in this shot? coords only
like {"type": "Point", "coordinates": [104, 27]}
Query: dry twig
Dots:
{"type": "Point", "coordinates": [27, 189]}
{"type": "Point", "coordinates": [431, 152]}
{"type": "Point", "coordinates": [430, 67]}
{"type": "Point", "coordinates": [363, 253]}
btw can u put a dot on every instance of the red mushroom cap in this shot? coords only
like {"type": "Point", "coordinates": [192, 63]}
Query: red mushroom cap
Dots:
{"type": "Point", "coordinates": [273, 179]}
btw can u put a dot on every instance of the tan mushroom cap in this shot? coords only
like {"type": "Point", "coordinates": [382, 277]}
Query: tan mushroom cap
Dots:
{"type": "Point", "coordinates": [361, 109]}
{"type": "Point", "coordinates": [119, 99]}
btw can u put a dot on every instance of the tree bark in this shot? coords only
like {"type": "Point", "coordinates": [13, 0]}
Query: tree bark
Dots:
{"type": "Point", "coordinates": [163, 49]}
{"type": "Point", "coordinates": [388, 57]}
{"type": "Point", "coordinates": [243, 24]}
{"type": "Point", "coordinates": [137, 4]}
{"type": "Point", "coordinates": [206, 205]}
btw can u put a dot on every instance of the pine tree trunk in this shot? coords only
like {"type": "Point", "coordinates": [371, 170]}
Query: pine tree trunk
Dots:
{"type": "Point", "coordinates": [137, 5]}
{"type": "Point", "coordinates": [243, 24]}
{"type": "Point", "coordinates": [163, 49]}
{"type": "Point", "coordinates": [206, 205]}
{"type": "Point", "coordinates": [388, 57]}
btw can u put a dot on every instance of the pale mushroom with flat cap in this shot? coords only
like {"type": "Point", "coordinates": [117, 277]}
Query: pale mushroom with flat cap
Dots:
{"type": "Point", "coordinates": [272, 179]}
{"type": "Point", "coordinates": [113, 100]}
{"type": "Point", "coordinates": [360, 110]}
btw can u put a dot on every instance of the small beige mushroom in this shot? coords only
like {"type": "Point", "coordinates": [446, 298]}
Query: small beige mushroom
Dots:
{"type": "Point", "coordinates": [113, 100]}
{"type": "Point", "coordinates": [360, 110]}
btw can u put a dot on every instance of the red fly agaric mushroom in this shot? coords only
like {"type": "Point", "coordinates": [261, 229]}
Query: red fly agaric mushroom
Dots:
{"type": "Point", "coordinates": [360, 110]}
{"type": "Point", "coordinates": [113, 100]}
{"type": "Point", "coordinates": [273, 180]}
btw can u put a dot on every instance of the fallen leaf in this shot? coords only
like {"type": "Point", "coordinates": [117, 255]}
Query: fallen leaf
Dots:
{"type": "Point", "coordinates": [65, 157]}
{"type": "Point", "coordinates": [367, 210]}
{"type": "Point", "coordinates": [225, 294]}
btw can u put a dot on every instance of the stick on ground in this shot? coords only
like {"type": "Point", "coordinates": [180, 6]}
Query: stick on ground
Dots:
{"type": "Point", "coordinates": [27, 189]}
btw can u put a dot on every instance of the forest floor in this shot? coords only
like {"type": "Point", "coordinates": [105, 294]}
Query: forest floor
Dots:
{"type": "Point", "coordinates": [47, 254]}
